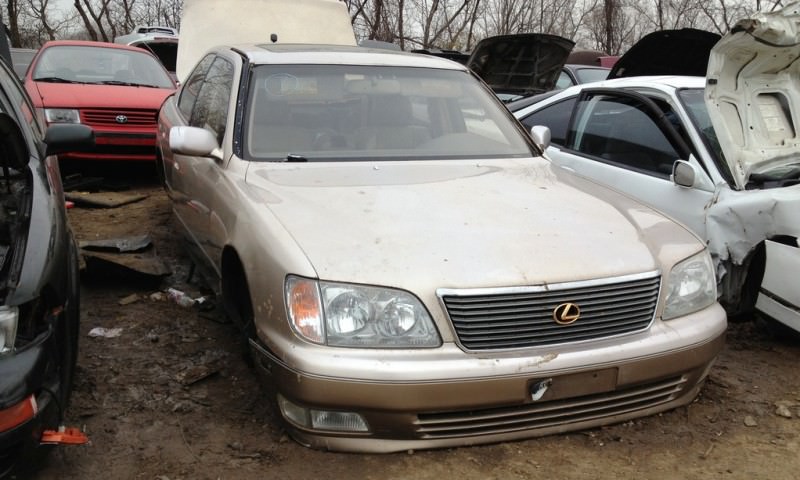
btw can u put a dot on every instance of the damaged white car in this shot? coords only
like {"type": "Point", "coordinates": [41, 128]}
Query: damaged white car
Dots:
{"type": "Point", "coordinates": [720, 155]}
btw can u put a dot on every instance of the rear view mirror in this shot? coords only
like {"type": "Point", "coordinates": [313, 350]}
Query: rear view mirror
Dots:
{"type": "Point", "coordinates": [684, 174]}
{"type": "Point", "coordinates": [68, 137]}
{"type": "Point", "coordinates": [541, 136]}
{"type": "Point", "coordinates": [194, 141]}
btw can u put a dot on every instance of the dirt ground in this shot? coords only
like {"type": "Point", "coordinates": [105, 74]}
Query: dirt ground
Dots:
{"type": "Point", "coordinates": [171, 398]}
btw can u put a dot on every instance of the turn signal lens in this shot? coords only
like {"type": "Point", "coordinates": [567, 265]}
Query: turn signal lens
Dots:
{"type": "Point", "coordinates": [18, 414]}
{"type": "Point", "coordinates": [305, 309]}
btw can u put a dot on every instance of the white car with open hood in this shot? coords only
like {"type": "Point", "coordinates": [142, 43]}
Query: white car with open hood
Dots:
{"type": "Point", "coordinates": [718, 153]}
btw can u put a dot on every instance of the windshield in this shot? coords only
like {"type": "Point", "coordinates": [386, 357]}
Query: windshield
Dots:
{"type": "Point", "coordinates": [694, 102]}
{"type": "Point", "coordinates": [343, 112]}
{"type": "Point", "coordinates": [588, 75]}
{"type": "Point", "coordinates": [100, 65]}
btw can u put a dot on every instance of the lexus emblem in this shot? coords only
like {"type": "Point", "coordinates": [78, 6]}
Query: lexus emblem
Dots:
{"type": "Point", "coordinates": [121, 119]}
{"type": "Point", "coordinates": [566, 313]}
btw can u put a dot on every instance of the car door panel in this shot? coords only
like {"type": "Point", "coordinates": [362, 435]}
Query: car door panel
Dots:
{"type": "Point", "coordinates": [621, 140]}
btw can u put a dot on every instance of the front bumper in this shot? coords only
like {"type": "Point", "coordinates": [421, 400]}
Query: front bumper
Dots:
{"type": "Point", "coordinates": [493, 398]}
{"type": "Point", "coordinates": [22, 375]}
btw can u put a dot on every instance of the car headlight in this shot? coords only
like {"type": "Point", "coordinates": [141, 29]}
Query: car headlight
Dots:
{"type": "Point", "coordinates": [691, 286]}
{"type": "Point", "coordinates": [62, 115]}
{"type": "Point", "coordinates": [9, 318]}
{"type": "Point", "coordinates": [346, 315]}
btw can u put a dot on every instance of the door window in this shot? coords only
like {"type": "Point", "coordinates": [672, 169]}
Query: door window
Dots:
{"type": "Point", "coordinates": [191, 87]}
{"type": "Point", "coordinates": [621, 130]}
{"type": "Point", "coordinates": [555, 117]}
{"type": "Point", "coordinates": [211, 107]}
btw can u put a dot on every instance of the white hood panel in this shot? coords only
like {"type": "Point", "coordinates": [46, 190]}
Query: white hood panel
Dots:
{"type": "Point", "coordinates": [753, 92]}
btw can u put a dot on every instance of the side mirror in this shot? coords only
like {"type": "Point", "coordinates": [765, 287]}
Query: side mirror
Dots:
{"type": "Point", "coordinates": [541, 136]}
{"type": "Point", "coordinates": [195, 142]}
{"type": "Point", "coordinates": [68, 137]}
{"type": "Point", "coordinates": [684, 174]}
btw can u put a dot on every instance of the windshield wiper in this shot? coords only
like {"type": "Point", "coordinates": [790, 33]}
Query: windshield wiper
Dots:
{"type": "Point", "coordinates": [55, 80]}
{"type": "Point", "coordinates": [293, 157]}
{"type": "Point", "coordinates": [126, 84]}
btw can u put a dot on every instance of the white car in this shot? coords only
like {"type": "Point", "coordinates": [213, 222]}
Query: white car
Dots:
{"type": "Point", "coordinates": [719, 155]}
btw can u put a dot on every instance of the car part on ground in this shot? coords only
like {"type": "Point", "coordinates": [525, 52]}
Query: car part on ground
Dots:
{"type": "Point", "coordinates": [408, 271]}
{"type": "Point", "coordinates": [114, 89]}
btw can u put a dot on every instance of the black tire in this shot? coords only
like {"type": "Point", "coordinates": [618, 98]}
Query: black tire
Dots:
{"type": "Point", "coordinates": [239, 307]}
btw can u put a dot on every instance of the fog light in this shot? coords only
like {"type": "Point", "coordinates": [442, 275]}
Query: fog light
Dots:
{"type": "Point", "coordinates": [338, 421]}
{"type": "Point", "coordinates": [322, 419]}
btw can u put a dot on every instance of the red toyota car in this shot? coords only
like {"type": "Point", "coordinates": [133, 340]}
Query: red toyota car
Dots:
{"type": "Point", "coordinates": [115, 89]}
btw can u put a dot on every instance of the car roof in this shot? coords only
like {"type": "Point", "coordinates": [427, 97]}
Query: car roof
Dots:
{"type": "Point", "coordinates": [660, 82]}
{"type": "Point", "coordinates": [285, 53]}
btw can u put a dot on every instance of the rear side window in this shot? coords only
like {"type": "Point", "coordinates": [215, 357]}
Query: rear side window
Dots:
{"type": "Point", "coordinates": [556, 117]}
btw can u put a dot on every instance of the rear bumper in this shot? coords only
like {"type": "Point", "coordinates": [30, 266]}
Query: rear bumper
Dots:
{"type": "Point", "coordinates": [488, 408]}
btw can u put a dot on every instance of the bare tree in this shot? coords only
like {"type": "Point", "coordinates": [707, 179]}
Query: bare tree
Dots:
{"type": "Point", "coordinates": [13, 14]}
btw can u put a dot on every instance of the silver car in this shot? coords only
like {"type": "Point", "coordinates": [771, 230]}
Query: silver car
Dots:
{"type": "Point", "coordinates": [408, 271]}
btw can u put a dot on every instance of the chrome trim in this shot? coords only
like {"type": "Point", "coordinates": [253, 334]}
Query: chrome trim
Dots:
{"type": "Point", "coordinates": [466, 292]}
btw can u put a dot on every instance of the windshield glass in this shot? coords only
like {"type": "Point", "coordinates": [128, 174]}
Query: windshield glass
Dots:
{"type": "Point", "coordinates": [587, 75]}
{"type": "Point", "coordinates": [103, 65]}
{"type": "Point", "coordinates": [344, 112]}
{"type": "Point", "coordinates": [694, 102]}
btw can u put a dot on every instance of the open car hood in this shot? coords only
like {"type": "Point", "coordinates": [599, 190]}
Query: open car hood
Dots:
{"type": "Point", "coordinates": [524, 64]}
{"type": "Point", "coordinates": [162, 46]}
{"type": "Point", "coordinates": [208, 23]}
{"type": "Point", "coordinates": [753, 93]}
{"type": "Point", "coordinates": [667, 52]}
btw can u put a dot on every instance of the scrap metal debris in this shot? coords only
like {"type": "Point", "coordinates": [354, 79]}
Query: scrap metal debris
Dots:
{"type": "Point", "coordinates": [105, 332]}
{"type": "Point", "coordinates": [103, 199]}
{"type": "Point", "coordinates": [134, 254]}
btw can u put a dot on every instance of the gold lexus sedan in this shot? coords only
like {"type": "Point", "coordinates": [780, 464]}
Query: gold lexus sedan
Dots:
{"type": "Point", "coordinates": [408, 269]}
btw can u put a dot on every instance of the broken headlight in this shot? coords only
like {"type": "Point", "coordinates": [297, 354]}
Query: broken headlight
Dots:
{"type": "Point", "coordinates": [347, 315]}
{"type": "Point", "coordinates": [691, 286]}
{"type": "Point", "coordinates": [9, 318]}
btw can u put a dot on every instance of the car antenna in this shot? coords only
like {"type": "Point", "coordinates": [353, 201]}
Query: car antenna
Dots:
{"type": "Point", "coordinates": [273, 37]}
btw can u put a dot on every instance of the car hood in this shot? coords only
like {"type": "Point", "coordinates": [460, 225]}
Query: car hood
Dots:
{"type": "Point", "coordinates": [460, 224]}
{"type": "Point", "coordinates": [79, 95]}
{"type": "Point", "coordinates": [523, 64]}
{"type": "Point", "coordinates": [753, 92]}
{"type": "Point", "coordinates": [208, 23]}
{"type": "Point", "coordinates": [667, 52]}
